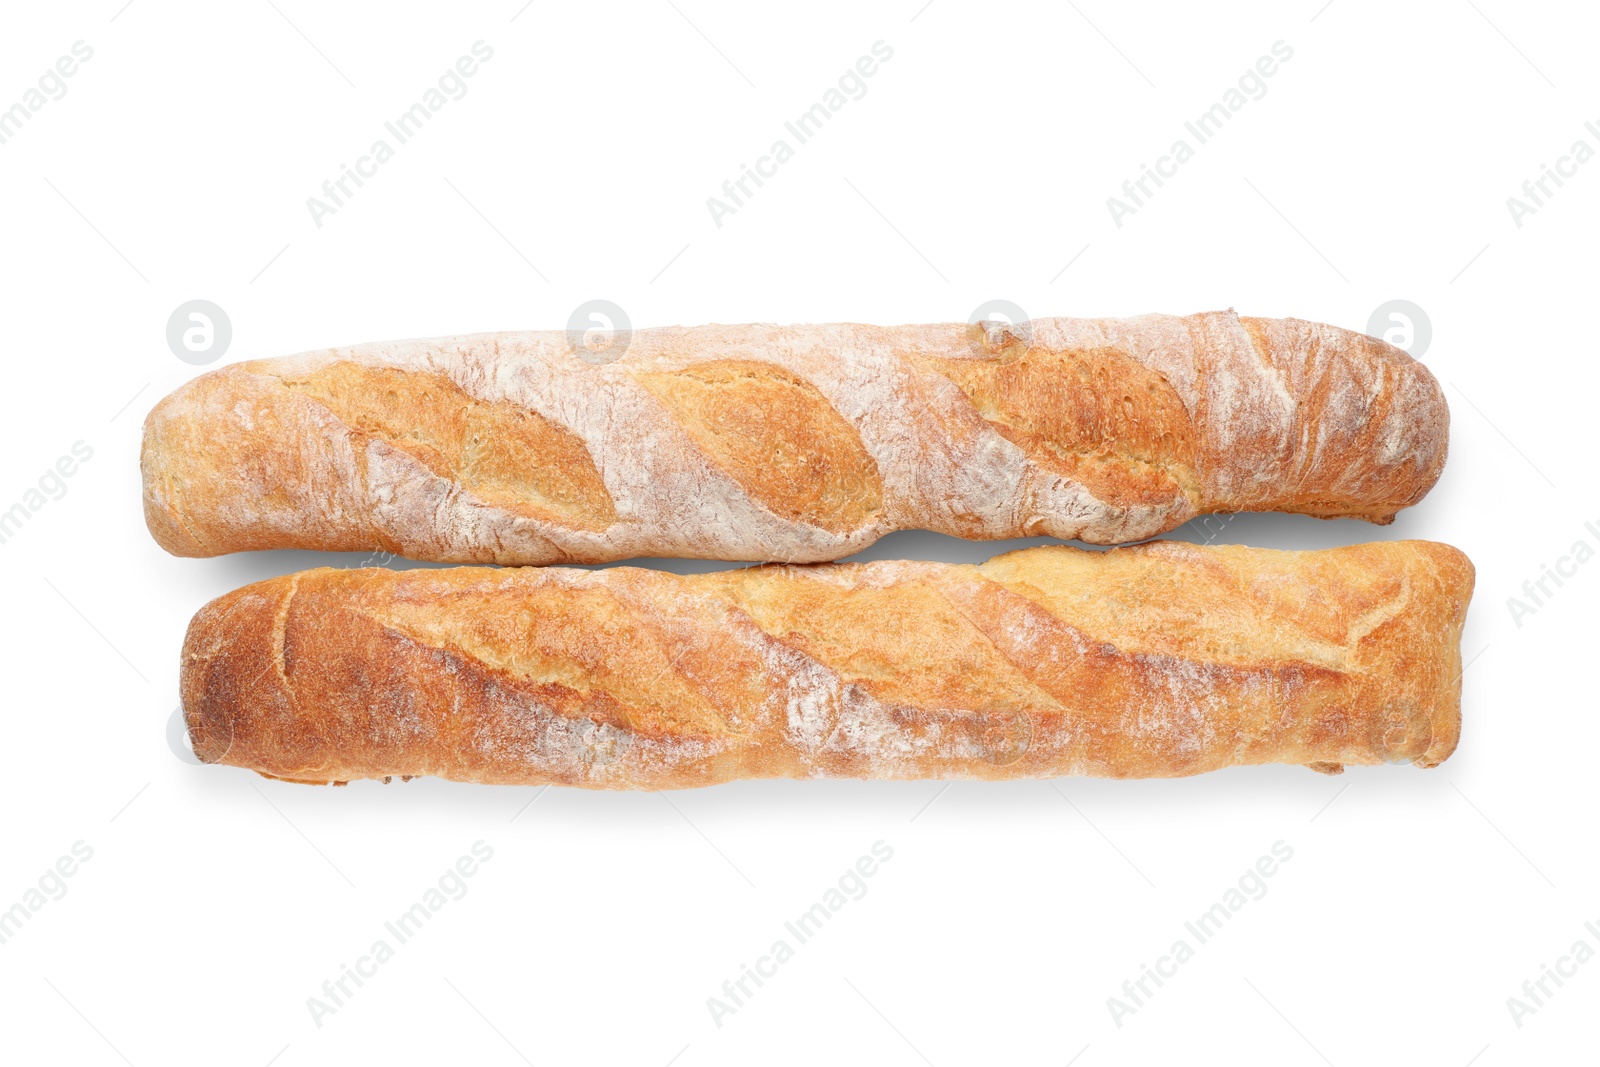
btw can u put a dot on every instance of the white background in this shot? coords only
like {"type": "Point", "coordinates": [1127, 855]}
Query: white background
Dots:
{"type": "Point", "coordinates": [977, 166]}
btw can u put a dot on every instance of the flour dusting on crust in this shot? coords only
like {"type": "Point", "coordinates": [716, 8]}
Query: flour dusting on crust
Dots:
{"type": "Point", "coordinates": [1284, 415]}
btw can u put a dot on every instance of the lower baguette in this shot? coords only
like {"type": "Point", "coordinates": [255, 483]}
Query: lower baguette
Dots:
{"type": "Point", "coordinates": [1156, 660]}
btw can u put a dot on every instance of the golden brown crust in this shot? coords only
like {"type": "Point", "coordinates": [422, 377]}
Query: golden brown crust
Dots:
{"type": "Point", "coordinates": [778, 437]}
{"type": "Point", "coordinates": [794, 443]}
{"type": "Point", "coordinates": [1093, 415]}
{"type": "Point", "coordinates": [501, 453]}
{"type": "Point", "coordinates": [1155, 660]}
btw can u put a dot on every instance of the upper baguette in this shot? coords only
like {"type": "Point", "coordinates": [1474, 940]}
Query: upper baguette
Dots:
{"type": "Point", "coordinates": [1156, 660]}
{"type": "Point", "coordinates": [793, 443]}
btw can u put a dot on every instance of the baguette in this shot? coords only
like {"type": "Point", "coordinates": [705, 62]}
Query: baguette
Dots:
{"type": "Point", "coordinates": [1156, 660]}
{"type": "Point", "coordinates": [798, 443]}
